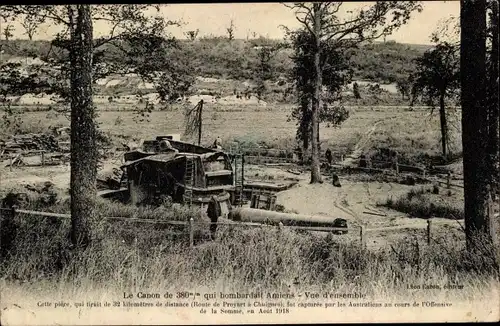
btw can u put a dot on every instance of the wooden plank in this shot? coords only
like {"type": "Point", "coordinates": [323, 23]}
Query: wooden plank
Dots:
{"type": "Point", "coordinates": [145, 220]}
{"type": "Point", "coordinates": [46, 214]}
{"type": "Point", "coordinates": [373, 213]}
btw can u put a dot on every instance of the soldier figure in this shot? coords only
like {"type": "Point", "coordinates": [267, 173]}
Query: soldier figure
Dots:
{"type": "Point", "coordinates": [213, 212]}
{"type": "Point", "coordinates": [218, 143]}
{"type": "Point", "coordinates": [328, 155]}
{"type": "Point", "coordinates": [165, 146]}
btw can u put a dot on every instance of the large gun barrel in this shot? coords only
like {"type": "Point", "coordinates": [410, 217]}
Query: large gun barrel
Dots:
{"type": "Point", "coordinates": [261, 216]}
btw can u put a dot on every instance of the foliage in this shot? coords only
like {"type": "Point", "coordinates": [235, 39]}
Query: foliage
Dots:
{"type": "Point", "coordinates": [11, 120]}
{"type": "Point", "coordinates": [404, 87]}
{"type": "Point", "coordinates": [437, 71]}
{"type": "Point", "coordinates": [192, 34]}
{"type": "Point", "coordinates": [215, 57]}
{"type": "Point", "coordinates": [336, 73]}
{"type": "Point", "coordinates": [230, 31]}
{"type": "Point", "coordinates": [135, 40]}
{"type": "Point", "coordinates": [320, 21]}
{"type": "Point", "coordinates": [438, 78]}
{"type": "Point", "coordinates": [81, 65]}
{"type": "Point", "coordinates": [265, 69]}
{"type": "Point", "coordinates": [366, 24]}
{"type": "Point", "coordinates": [143, 114]}
{"type": "Point", "coordinates": [160, 61]}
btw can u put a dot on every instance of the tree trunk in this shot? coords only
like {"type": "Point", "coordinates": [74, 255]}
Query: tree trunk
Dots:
{"type": "Point", "coordinates": [444, 127]}
{"type": "Point", "coordinates": [474, 117]}
{"type": "Point", "coordinates": [83, 131]}
{"type": "Point", "coordinates": [200, 115]}
{"type": "Point", "coordinates": [493, 107]}
{"type": "Point", "coordinates": [319, 143]}
{"type": "Point", "coordinates": [316, 103]}
{"type": "Point", "coordinates": [305, 124]}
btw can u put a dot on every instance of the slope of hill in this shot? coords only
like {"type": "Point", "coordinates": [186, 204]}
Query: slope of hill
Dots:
{"type": "Point", "coordinates": [220, 58]}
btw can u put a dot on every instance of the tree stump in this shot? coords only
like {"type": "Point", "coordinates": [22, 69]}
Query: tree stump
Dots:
{"type": "Point", "coordinates": [336, 181]}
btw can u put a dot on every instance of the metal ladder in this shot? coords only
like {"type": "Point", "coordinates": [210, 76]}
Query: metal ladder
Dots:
{"type": "Point", "coordinates": [238, 179]}
{"type": "Point", "coordinates": [189, 181]}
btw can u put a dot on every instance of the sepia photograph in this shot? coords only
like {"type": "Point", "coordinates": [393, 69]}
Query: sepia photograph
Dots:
{"type": "Point", "coordinates": [249, 163]}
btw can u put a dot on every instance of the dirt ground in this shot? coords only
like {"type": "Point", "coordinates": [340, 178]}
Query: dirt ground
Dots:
{"type": "Point", "coordinates": [353, 201]}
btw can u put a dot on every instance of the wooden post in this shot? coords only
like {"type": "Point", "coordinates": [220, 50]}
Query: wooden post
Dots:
{"type": "Point", "coordinates": [43, 158]}
{"type": "Point", "coordinates": [200, 120]}
{"type": "Point", "coordinates": [10, 165]}
{"type": "Point", "coordinates": [342, 158]}
{"type": "Point", "coordinates": [362, 236]}
{"type": "Point", "coordinates": [397, 166]}
{"type": "Point", "coordinates": [448, 181]}
{"type": "Point", "coordinates": [191, 233]}
{"type": "Point", "coordinates": [423, 173]}
{"type": "Point", "coordinates": [428, 232]}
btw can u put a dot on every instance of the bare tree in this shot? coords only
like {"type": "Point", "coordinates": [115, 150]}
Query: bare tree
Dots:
{"type": "Point", "coordinates": [321, 20]}
{"type": "Point", "coordinates": [30, 25]}
{"type": "Point", "coordinates": [193, 121]}
{"type": "Point", "coordinates": [7, 31]}
{"type": "Point", "coordinates": [192, 34]}
{"type": "Point", "coordinates": [230, 31]}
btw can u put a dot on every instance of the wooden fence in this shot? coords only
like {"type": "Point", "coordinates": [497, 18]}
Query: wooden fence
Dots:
{"type": "Point", "coordinates": [282, 156]}
{"type": "Point", "coordinates": [190, 224]}
{"type": "Point", "coordinates": [46, 159]}
{"type": "Point", "coordinates": [287, 157]}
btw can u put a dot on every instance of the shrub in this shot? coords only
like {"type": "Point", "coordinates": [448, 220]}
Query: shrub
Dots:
{"type": "Point", "coordinates": [420, 203]}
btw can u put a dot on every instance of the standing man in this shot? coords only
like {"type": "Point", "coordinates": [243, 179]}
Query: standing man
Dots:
{"type": "Point", "coordinates": [329, 156]}
{"type": "Point", "coordinates": [213, 212]}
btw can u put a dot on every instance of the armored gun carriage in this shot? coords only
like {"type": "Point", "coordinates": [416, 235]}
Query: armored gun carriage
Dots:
{"type": "Point", "coordinates": [182, 171]}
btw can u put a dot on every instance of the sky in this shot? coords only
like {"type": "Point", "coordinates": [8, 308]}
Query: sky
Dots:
{"type": "Point", "coordinates": [264, 19]}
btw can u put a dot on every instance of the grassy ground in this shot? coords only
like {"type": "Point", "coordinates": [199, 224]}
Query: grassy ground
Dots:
{"type": "Point", "coordinates": [41, 263]}
{"type": "Point", "coordinates": [132, 258]}
{"type": "Point", "coordinates": [414, 134]}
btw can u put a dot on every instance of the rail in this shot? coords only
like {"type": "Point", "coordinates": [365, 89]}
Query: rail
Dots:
{"type": "Point", "coordinates": [17, 157]}
{"type": "Point", "coordinates": [287, 156]}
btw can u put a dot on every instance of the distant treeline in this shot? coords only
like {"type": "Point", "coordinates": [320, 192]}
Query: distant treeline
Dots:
{"type": "Point", "coordinates": [237, 59]}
